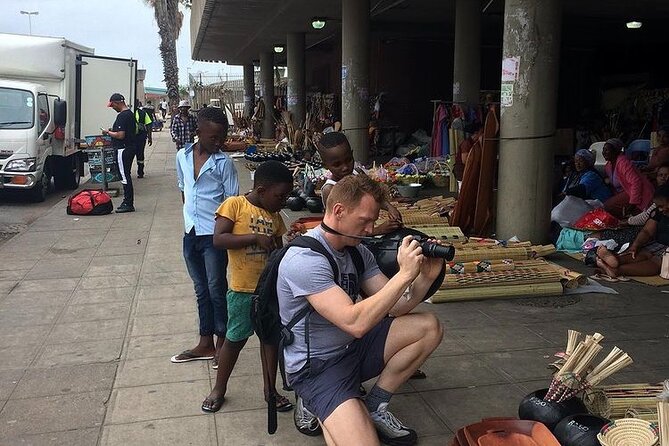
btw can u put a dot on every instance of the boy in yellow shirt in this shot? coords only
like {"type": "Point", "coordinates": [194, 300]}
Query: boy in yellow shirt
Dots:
{"type": "Point", "coordinates": [249, 227]}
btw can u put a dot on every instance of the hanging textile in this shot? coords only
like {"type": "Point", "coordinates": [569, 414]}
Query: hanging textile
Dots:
{"type": "Point", "coordinates": [440, 125]}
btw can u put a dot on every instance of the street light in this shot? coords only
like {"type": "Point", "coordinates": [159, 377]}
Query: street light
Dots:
{"type": "Point", "coordinates": [318, 22]}
{"type": "Point", "coordinates": [30, 22]}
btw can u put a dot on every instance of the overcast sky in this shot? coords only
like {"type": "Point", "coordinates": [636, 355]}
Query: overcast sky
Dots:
{"type": "Point", "coordinates": [94, 23]}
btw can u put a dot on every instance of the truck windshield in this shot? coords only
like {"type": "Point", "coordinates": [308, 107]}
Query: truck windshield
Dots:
{"type": "Point", "coordinates": [17, 109]}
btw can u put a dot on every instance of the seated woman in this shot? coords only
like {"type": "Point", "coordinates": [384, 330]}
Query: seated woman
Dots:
{"type": "Point", "coordinates": [585, 182]}
{"type": "Point", "coordinates": [644, 256]}
{"type": "Point", "coordinates": [659, 155]}
{"type": "Point", "coordinates": [633, 192]}
{"type": "Point", "coordinates": [631, 227]}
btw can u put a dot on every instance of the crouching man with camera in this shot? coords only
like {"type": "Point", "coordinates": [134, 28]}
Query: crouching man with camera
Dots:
{"type": "Point", "coordinates": [342, 340]}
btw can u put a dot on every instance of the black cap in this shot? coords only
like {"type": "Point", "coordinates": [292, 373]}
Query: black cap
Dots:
{"type": "Point", "coordinates": [116, 97]}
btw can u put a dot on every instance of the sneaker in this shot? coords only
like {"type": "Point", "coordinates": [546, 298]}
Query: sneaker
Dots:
{"type": "Point", "coordinates": [124, 207]}
{"type": "Point", "coordinates": [305, 422]}
{"type": "Point", "coordinates": [391, 430]}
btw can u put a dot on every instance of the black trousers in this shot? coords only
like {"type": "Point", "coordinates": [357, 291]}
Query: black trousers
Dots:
{"type": "Point", "coordinates": [125, 156]}
{"type": "Point", "coordinates": [141, 145]}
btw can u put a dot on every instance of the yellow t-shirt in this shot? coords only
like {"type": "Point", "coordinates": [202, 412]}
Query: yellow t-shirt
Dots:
{"type": "Point", "coordinates": [246, 264]}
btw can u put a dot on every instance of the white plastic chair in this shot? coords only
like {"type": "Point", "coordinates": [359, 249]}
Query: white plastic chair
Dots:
{"type": "Point", "coordinates": [596, 149]}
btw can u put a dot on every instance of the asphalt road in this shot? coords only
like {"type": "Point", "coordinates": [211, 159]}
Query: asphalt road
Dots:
{"type": "Point", "coordinates": [17, 211]}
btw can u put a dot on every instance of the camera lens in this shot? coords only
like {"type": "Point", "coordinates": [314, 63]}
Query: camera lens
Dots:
{"type": "Point", "coordinates": [438, 251]}
{"type": "Point", "coordinates": [431, 249]}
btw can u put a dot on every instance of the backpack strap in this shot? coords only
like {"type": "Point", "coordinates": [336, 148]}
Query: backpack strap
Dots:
{"type": "Point", "coordinates": [358, 262]}
{"type": "Point", "coordinates": [286, 337]}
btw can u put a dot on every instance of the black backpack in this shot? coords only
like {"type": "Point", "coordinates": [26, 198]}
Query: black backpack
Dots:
{"type": "Point", "coordinates": [140, 126]}
{"type": "Point", "coordinates": [274, 336]}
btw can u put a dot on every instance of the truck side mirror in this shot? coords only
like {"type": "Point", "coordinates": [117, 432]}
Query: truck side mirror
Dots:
{"type": "Point", "coordinates": [59, 112]}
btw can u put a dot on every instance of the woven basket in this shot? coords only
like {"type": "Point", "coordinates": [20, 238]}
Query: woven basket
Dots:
{"type": "Point", "coordinates": [440, 175]}
{"type": "Point", "coordinates": [629, 432]}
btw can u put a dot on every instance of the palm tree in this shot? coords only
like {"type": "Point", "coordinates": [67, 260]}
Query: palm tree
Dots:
{"type": "Point", "coordinates": [169, 20]}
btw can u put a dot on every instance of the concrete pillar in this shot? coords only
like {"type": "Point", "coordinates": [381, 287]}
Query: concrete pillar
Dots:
{"type": "Point", "coordinates": [297, 100]}
{"type": "Point", "coordinates": [249, 90]}
{"type": "Point", "coordinates": [355, 76]}
{"type": "Point", "coordinates": [530, 70]}
{"type": "Point", "coordinates": [141, 94]}
{"type": "Point", "coordinates": [267, 92]}
{"type": "Point", "coordinates": [467, 51]}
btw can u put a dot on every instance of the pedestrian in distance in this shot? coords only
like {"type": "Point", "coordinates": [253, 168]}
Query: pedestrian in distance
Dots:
{"type": "Point", "coordinates": [150, 110]}
{"type": "Point", "coordinates": [206, 178]}
{"type": "Point", "coordinates": [143, 128]}
{"type": "Point", "coordinates": [163, 108]}
{"type": "Point", "coordinates": [184, 126]}
{"type": "Point", "coordinates": [250, 228]}
{"type": "Point", "coordinates": [123, 140]}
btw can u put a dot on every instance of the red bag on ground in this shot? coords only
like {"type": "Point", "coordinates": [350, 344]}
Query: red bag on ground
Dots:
{"type": "Point", "coordinates": [90, 202]}
{"type": "Point", "coordinates": [596, 220]}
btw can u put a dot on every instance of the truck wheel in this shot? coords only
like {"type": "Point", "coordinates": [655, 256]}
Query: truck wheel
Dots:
{"type": "Point", "coordinates": [67, 172]}
{"type": "Point", "coordinates": [39, 192]}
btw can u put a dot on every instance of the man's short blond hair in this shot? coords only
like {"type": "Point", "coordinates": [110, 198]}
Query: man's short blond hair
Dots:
{"type": "Point", "coordinates": [350, 190]}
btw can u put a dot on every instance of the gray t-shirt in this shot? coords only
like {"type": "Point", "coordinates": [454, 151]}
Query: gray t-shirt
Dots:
{"type": "Point", "coordinates": [303, 272]}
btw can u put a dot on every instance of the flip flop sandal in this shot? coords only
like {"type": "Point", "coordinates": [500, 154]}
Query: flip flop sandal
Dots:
{"type": "Point", "coordinates": [283, 404]}
{"type": "Point", "coordinates": [214, 364]}
{"type": "Point", "coordinates": [418, 374]}
{"type": "Point", "coordinates": [605, 277]}
{"type": "Point", "coordinates": [623, 279]}
{"type": "Point", "coordinates": [187, 356]}
{"type": "Point", "coordinates": [215, 405]}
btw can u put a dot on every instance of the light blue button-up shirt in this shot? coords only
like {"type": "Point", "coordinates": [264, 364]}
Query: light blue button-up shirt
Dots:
{"type": "Point", "coordinates": [202, 196]}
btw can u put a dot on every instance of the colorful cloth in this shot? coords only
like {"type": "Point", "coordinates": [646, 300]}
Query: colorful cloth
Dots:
{"type": "Point", "coordinates": [571, 240]}
{"type": "Point", "coordinates": [636, 185]}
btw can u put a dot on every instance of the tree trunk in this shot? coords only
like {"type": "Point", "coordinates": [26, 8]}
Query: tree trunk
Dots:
{"type": "Point", "coordinates": [169, 20]}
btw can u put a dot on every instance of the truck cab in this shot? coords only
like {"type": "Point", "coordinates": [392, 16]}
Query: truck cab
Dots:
{"type": "Point", "coordinates": [27, 137]}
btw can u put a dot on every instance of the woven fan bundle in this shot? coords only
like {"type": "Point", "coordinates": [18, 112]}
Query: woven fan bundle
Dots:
{"type": "Point", "coordinates": [578, 373]}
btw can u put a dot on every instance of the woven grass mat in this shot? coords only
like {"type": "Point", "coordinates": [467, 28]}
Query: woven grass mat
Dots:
{"type": "Point", "coordinates": [575, 255]}
{"type": "Point", "coordinates": [443, 232]}
{"type": "Point", "coordinates": [506, 291]}
{"type": "Point", "coordinates": [650, 280]}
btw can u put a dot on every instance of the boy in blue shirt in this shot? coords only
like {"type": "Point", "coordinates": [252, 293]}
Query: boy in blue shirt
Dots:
{"type": "Point", "coordinates": [206, 177]}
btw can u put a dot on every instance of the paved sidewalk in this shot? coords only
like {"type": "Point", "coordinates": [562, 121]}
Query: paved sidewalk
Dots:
{"type": "Point", "coordinates": [92, 308]}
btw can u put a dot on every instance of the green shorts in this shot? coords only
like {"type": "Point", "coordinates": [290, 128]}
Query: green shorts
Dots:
{"type": "Point", "coordinates": [239, 316]}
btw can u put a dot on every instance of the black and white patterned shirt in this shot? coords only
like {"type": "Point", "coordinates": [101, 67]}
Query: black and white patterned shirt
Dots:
{"type": "Point", "coordinates": [183, 131]}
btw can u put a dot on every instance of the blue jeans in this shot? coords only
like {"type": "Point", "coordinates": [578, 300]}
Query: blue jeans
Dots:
{"type": "Point", "coordinates": [207, 267]}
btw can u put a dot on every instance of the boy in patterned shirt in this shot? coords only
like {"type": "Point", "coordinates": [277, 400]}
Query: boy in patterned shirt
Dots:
{"type": "Point", "coordinates": [249, 227]}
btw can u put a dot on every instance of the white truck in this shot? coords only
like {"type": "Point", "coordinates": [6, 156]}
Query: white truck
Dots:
{"type": "Point", "coordinates": [53, 93]}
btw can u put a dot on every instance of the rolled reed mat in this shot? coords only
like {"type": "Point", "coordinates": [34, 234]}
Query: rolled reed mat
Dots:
{"type": "Point", "coordinates": [497, 292]}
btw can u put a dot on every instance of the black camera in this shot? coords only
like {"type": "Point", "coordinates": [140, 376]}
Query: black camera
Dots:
{"type": "Point", "coordinates": [384, 250]}
{"type": "Point", "coordinates": [431, 249]}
